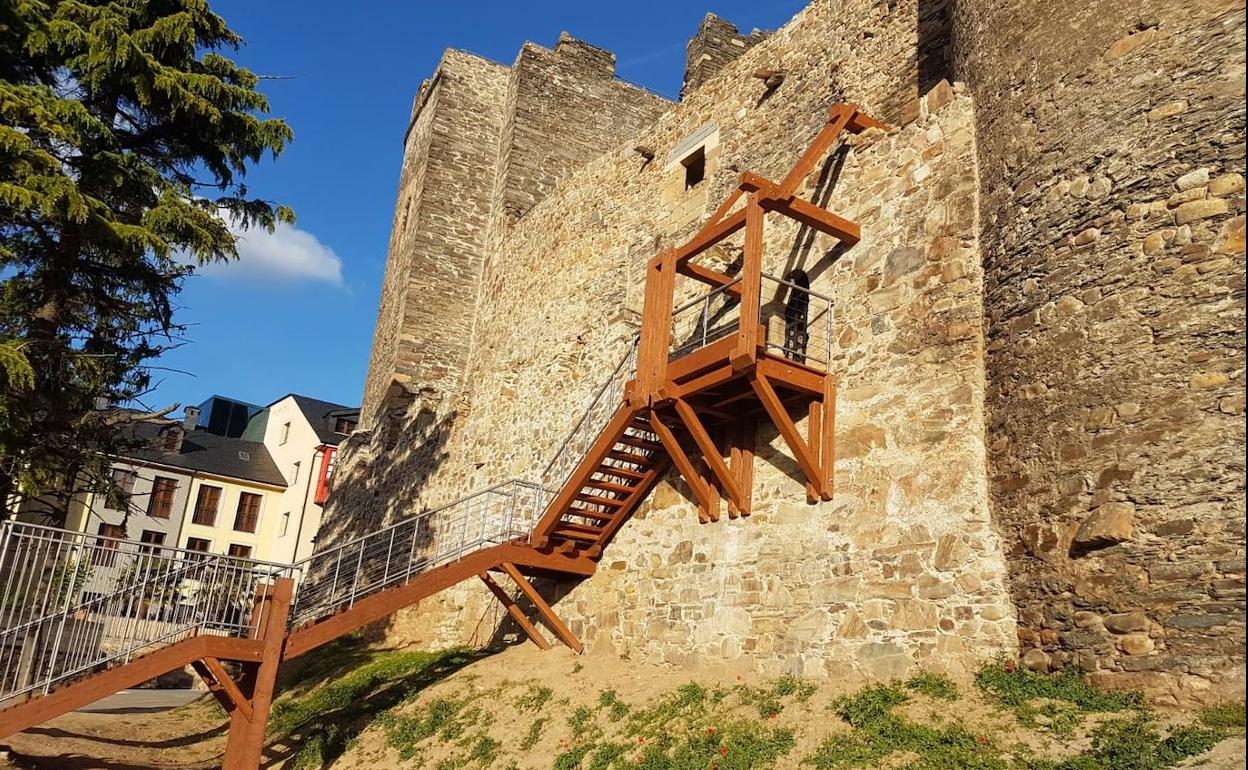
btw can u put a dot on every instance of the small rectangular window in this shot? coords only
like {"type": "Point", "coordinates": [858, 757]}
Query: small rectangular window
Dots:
{"type": "Point", "coordinates": [344, 426]}
{"type": "Point", "coordinates": [285, 524]}
{"type": "Point", "coordinates": [294, 473]}
{"type": "Point", "coordinates": [152, 538]}
{"type": "Point", "coordinates": [206, 505]}
{"type": "Point", "coordinates": [695, 168]}
{"type": "Point", "coordinates": [285, 434]}
{"type": "Point", "coordinates": [247, 516]}
{"type": "Point", "coordinates": [160, 504]}
{"type": "Point", "coordinates": [240, 551]}
{"type": "Point", "coordinates": [105, 552]}
{"type": "Point", "coordinates": [198, 544]}
{"type": "Point", "coordinates": [121, 489]}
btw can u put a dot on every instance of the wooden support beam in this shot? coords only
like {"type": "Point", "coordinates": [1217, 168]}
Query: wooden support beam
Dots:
{"type": "Point", "coordinates": [743, 463]}
{"type": "Point", "coordinates": [711, 236]}
{"type": "Point", "coordinates": [827, 447]}
{"type": "Point", "coordinates": [656, 328]}
{"type": "Point", "coordinates": [802, 210]}
{"type": "Point", "coordinates": [710, 454]}
{"type": "Point", "coordinates": [377, 606]}
{"type": "Point", "coordinates": [552, 620]}
{"type": "Point", "coordinates": [245, 744]}
{"type": "Point", "coordinates": [838, 118]}
{"type": "Point", "coordinates": [814, 436]}
{"type": "Point", "coordinates": [685, 467]}
{"type": "Point", "coordinates": [709, 276]}
{"type": "Point", "coordinates": [514, 611]}
{"type": "Point", "coordinates": [775, 410]}
{"type": "Point", "coordinates": [222, 686]}
{"type": "Point", "coordinates": [746, 349]}
{"type": "Point", "coordinates": [861, 121]}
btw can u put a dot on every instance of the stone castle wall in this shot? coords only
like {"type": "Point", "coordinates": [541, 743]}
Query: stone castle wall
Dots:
{"type": "Point", "coordinates": [1030, 345]}
{"type": "Point", "coordinates": [1112, 160]}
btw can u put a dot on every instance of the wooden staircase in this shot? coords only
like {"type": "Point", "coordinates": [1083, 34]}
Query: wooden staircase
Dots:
{"type": "Point", "coordinates": [694, 409]}
{"type": "Point", "coordinates": [613, 479]}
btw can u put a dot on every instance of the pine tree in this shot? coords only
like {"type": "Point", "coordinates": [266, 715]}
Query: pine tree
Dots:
{"type": "Point", "coordinates": [125, 136]}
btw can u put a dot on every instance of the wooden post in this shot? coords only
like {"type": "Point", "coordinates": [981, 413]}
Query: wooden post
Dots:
{"type": "Point", "coordinates": [814, 436]}
{"type": "Point", "coordinates": [515, 612]}
{"type": "Point", "coordinates": [656, 327]}
{"type": "Point", "coordinates": [552, 620]}
{"type": "Point", "coordinates": [745, 467]}
{"type": "Point", "coordinates": [746, 351]}
{"type": "Point", "coordinates": [827, 447]}
{"type": "Point", "coordinates": [245, 744]}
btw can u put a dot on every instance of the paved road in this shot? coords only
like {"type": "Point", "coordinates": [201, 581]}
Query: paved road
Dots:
{"type": "Point", "coordinates": [142, 701]}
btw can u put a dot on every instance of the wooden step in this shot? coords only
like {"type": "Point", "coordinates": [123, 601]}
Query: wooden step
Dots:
{"type": "Point", "coordinates": [624, 473]}
{"type": "Point", "coordinates": [608, 486]}
{"type": "Point", "coordinates": [571, 534]}
{"type": "Point", "coordinates": [588, 514]}
{"type": "Point", "coordinates": [584, 529]}
{"type": "Point", "coordinates": [599, 500]}
{"type": "Point", "coordinates": [640, 443]}
{"type": "Point", "coordinates": [629, 457]}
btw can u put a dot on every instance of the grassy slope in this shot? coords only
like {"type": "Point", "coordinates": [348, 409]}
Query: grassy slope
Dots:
{"type": "Point", "coordinates": [419, 710]}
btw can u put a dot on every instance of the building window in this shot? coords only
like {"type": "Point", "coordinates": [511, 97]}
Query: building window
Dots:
{"type": "Point", "coordinates": [198, 544]}
{"type": "Point", "coordinates": [295, 473]}
{"type": "Point", "coordinates": [327, 472]}
{"type": "Point", "coordinates": [344, 426]}
{"type": "Point", "coordinates": [285, 524]}
{"type": "Point", "coordinates": [240, 551]}
{"type": "Point", "coordinates": [247, 517]}
{"type": "Point", "coordinates": [120, 490]}
{"type": "Point", "coordinates": [285, 434]}
{"type": "Point", "coordinates": [152, 538]}
{"type": "Point", "coordinates": [695, 168]}
{"type": "Point", "coordinates": [206, 505]}
{"type": "Point", "coordinates": [160, 504]}
{"type": "Point", "coordinates": [105, 553]}
{"type": "Point", "coordinates": [173, 440]}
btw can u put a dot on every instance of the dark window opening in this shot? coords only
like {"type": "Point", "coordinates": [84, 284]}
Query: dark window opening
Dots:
{"type": "Point", "coordinates": [695, 168]}
{"type": "Point", "coordinates": [247, 516]}
{"type": "Point", "coordinates": [240, 551]}
{"type": "Point", "coordinates": [206, 506]}
{"type": "Point", "coordinates": [160, 504]}
{"type": "Point", "coordinates": [198, 544]}
{"type": "Point", "coordinates": [344, 426]}
{"type": "Point", "coordinates": [152, 538]}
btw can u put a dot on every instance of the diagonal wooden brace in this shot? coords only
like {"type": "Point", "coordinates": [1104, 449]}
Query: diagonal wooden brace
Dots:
{"type": "Point", "coordinates": [222, 687]}
{"type": "Point", "coordinates": [710, 452]}
{"type": "Point", "coordinates": [552, 620]}
{"type": "Point", "coordinates": [806, 460]}
{"type": "Point", "coordinates": [514, 611]}
{"type": "Point", "coordinates": [685, 466]}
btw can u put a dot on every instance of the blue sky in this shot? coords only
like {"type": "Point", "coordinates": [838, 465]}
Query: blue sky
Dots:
{"type": "Point", "coordinates": [297, 313]}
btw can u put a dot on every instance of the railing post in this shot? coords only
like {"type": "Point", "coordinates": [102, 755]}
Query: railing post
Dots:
{"type": "Point", "coordinates": [246, 740]}
{"type": "Point", "coordinates": [656, 325]}
{"type": "Point", "coordinates": [746, 351]}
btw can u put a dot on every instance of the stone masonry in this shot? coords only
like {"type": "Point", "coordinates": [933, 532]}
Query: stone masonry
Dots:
{"type": "Point", "coordinates": [1039, 340]}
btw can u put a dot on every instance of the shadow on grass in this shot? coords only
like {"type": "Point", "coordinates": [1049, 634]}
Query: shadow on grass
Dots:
{"type": "Point", "coordinates": [335, 697]}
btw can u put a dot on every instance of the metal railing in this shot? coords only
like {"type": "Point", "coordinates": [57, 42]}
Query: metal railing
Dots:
{"type": "Point", "coordinates": [798, 322]}
{"type": "Point", "coordinates": [591, 423]}
{"type": "Point", "coordinates": [72, 603]}
{"type": "Point", "coordinates": [336, 578]}
{"type": "Point", "coordinates": [704, 319]}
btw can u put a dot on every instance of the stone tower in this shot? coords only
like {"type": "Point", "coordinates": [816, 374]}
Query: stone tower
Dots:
{"type": "Point", "coordinates": [1040, 337]}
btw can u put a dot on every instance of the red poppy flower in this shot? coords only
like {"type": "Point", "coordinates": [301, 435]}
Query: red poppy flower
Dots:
{"type": "Point", "coordinates": [723, 751]}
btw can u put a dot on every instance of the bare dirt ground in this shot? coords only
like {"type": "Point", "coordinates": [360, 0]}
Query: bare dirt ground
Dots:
{"type": "Point", "coordinates": [517, 710]}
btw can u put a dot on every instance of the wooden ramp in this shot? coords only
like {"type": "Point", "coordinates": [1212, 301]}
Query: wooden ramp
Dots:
{"type": "Point", "coordinates": [753, 348]}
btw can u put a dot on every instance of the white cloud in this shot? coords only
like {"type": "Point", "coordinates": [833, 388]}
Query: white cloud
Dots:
{"type": "Point", "coordinates": [287, 254]}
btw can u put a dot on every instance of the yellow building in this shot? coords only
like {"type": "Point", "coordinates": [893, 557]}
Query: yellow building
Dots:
{"type": "Point", "coordinates": [191, 489]}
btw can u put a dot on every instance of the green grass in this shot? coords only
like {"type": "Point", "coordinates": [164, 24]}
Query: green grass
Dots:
{"type": "Point", "coordinates": [534, 699]}
{"type": "Point", "coordinates": [936, 686]}
{"type": "Point", "coordinates": [1135, 744]}
{"type": "Point", "coordinates": [616, 708]}
{"type": "Point", "coordinates": [1013, 686]}
{"type": "Point", "coordinates": [327, 718]}
{"type": "Point", "coordinates": [534, 734]}
{"type": "Point", "coordinates": [1229, 716]}
{"type": "Point", "coordinates": [770, 698]}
